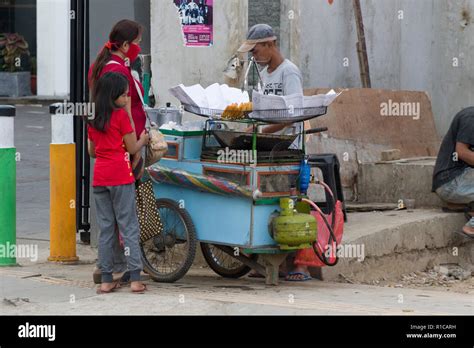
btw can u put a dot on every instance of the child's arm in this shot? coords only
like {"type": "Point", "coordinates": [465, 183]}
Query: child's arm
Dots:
{"type": "Point", "coordinates": [133, 146]}
{"type": "Point", "coordinates": [91, 148]}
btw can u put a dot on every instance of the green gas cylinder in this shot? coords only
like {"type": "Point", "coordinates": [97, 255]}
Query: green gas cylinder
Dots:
{"type": "Point", "coordinates": [292, 230]}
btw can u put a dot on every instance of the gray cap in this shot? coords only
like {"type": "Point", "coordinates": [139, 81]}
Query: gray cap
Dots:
{"type": "Point", "coordinates": [257, 34]}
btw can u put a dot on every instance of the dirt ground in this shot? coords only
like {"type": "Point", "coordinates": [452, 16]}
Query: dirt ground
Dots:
{"type": "Point", "coordinates": [428, 280]}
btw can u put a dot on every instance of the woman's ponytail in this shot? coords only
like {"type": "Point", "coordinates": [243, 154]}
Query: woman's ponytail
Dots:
{"type": "Point", "coordinates": [100, 62]}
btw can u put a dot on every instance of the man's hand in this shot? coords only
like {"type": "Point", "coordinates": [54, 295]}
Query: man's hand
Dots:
{"type": "Point", "coordinates": [465, 154]}
{"type": "Point", "coordinates": [145, 138]}
{"type": "Point", "coordinates": [275, 128]}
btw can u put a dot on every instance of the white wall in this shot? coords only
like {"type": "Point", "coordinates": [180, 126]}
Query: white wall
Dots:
{"type": "Point", "coordinates": [53, 28]}
{"type": "Point", "coordinates": [172, 63]}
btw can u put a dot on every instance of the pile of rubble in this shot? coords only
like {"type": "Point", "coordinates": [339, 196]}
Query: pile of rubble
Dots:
{"type": "Point", "coordinates": [445, 275]}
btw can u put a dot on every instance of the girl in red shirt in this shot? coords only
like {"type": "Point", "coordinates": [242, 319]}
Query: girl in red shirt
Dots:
{"type": "Point", "coordinates": [111, 141]}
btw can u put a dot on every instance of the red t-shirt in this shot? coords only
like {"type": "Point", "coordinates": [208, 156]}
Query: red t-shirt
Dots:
{"type": "Point", "coordinates": [112, 166]}
{"type": "Point", "coordinates": [138, 114]}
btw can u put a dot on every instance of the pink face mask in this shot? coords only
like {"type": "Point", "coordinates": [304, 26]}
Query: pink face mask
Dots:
{"type": "Point", "coordinates": [133, 52]}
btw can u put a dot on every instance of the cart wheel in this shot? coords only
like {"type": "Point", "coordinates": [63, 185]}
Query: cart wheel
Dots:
{"type": "Point", "coordinates": [224, 264]}
{"type": "Point", "coordinates": [169, 255]}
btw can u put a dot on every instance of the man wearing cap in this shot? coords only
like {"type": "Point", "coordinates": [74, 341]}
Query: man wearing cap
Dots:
{"type": "Point", "coordinates": [280, 77]}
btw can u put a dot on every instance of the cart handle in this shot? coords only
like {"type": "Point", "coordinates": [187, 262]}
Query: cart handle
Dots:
{"type": "Point", "coordinates": [317, 130]}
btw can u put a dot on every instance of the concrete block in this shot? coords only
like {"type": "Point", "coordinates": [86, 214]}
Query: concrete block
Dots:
{"type": "Point", "coordinates": [401, 242]}
{"type": "Point", "coordinates": [15, 84]}
{"type": "Point", "coordinates": [358, 115]}
{"type": "Point", "coordinates": [402, 180]}
{"type": "Point", "coordinates": [390, 155]}
{"type": "Point", "coordinates": [359, 131]}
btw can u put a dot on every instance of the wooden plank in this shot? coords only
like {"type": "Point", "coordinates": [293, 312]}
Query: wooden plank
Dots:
{"type": "Point", "coordinates": [362, 46]}
{"type": "Point", "coordinates": [368, 207]}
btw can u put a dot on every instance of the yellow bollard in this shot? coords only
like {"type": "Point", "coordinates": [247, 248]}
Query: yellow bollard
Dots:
{"type": "Point", "coordinates": [62, 188]}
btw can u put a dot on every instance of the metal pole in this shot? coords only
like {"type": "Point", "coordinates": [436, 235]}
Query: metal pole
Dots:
{"type": "Point", "coordinates": [7, 186]}
{"type": "Point", "coordinates": [85, 236]}
{"type": "Point", "coordinates": [62, 186]}
{"type": "Point", "coordinates": [79, 94]}
{"type": "Point", "coordinates": [74, 99]}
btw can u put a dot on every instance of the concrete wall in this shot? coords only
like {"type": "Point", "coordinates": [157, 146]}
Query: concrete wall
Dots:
{"type": "Point", "coordinates": [290, 32]}
{"type": "Point", "coordinates": [52, 27]}
{"type": "Point", "coordinates": [173, 63]}
{"type": "Point", "coordinates": [415, 52]}
{"type": "Point", "coordinates": [265, 11]}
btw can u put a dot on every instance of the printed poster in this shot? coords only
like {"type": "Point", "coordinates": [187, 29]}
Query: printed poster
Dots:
{"type": "Point", "coordinates": [196, 18]}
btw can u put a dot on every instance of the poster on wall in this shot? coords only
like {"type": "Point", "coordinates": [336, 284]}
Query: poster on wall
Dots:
{"type": "Point", "coordinates": [196, 18]}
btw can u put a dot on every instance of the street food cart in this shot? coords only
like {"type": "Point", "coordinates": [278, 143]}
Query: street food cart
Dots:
{"type": "Point", "coordinates": [234, 192]}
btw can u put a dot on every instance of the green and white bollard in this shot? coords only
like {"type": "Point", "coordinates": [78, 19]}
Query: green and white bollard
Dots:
{"type": "Point", "coordinates": [7, 186]}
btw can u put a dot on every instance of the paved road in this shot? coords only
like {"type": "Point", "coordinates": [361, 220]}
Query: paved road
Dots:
{"type": "Point", "coordinates": [68, 289]}
{"type": "Point", "coordinates": [203, 293]}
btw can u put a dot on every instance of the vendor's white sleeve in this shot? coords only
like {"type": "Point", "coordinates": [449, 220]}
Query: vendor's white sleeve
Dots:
{"type": "Point", "coordinates": [293, 84]}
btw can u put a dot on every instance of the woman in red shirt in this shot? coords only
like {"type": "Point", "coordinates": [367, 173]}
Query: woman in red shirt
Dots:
{"type": "Point", "coordinates": [118, 55]}
{"type": "Point", "coordinates": [111, 141]}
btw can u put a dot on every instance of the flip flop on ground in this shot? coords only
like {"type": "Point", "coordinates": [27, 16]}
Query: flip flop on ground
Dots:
{"type": "Point", "coordinates": [297, 277]}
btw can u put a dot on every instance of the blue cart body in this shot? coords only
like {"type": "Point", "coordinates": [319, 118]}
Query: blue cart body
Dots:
{"type": "Point", "coordinates": [224, 219]}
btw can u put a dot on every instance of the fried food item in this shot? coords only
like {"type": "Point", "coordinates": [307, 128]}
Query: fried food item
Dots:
{"type": "Point", "coordinates": [236, 112]}
{"type": "Point", "coordinates": [246, 107]}
{"type": "Point", "coordinates": [231, 112]}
